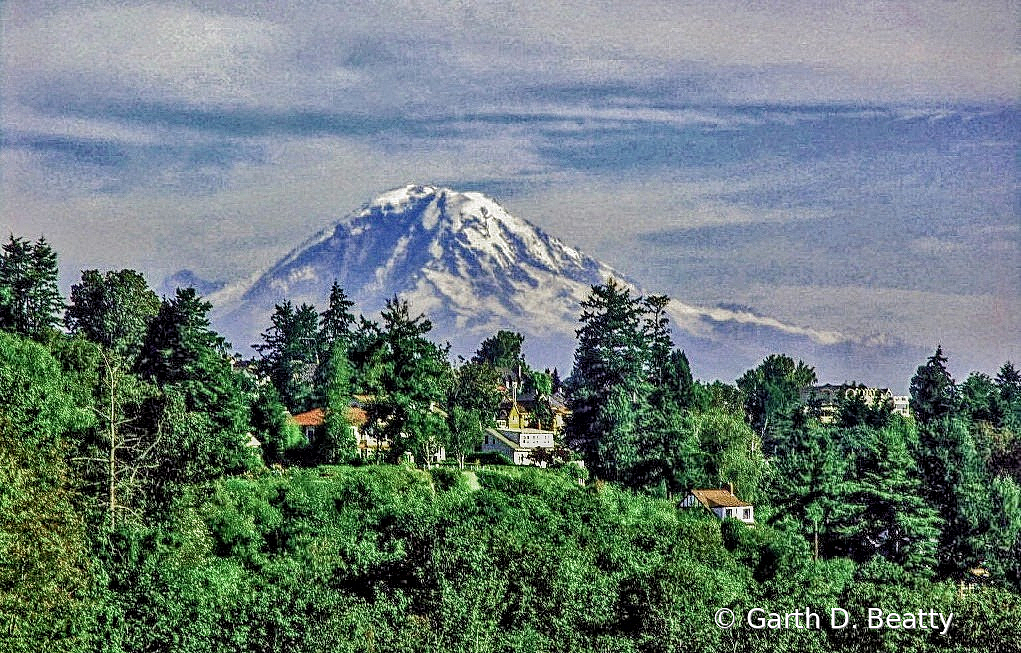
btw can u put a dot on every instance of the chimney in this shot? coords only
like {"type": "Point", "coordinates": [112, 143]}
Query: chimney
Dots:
{"type": "Point", "coordinates": [730, 486]}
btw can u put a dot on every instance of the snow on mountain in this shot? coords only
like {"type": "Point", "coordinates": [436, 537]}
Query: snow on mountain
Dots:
{"type": "Point", "coordinates": [473, 269]}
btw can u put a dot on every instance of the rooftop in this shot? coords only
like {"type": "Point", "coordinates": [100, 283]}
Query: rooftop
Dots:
{"type": "Point", "coordinates": [719, 499]}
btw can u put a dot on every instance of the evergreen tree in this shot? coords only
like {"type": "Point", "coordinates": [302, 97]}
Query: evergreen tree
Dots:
{"type": "Point", "coordinates": [30, 302]}
{"type": "Point", "coordinates": [291, 356]}
{"type": "Point", "coordinates": [1008, 381]}
{"type": "Point", "coordinates": [203, 415]}
{"type": "Point", "coordinates": [1004, 552]}
{"type": "Point", "coordinates": [958, 485]}
{"type": "Point", "coordinates": [408, 377]}
{"type": "Point", "coordinates": [112, 310]}
{"type": "Point", "coordinates": [339, 444]}
{"type": "Point", "coordinates": [853, 410]}
{"type": "Point", "coordinates": [336, 323]}
{"type": "Point", "coordinates": [336, 329]}
{"type": "Point", "coordinates": [981, 400]}
{"type": "Point", "coordinates": [887, 514]}
{"type": "Point", "coordinates": [657, 338]}
{"type": "Point", "coordinates": [808, 481]}
{"type": "Point", "coordinates": [610, 385]}
{"type": "Point", "coordinates": [180, 344]}
{"type": "Point", "coordinates": [933, 393]}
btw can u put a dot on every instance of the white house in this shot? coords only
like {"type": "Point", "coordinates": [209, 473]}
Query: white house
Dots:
{"type": "Point", "coordinates": [517, 444]}
{"type": "Point", "coordinates": [827, 398]}
{"type": "Point", "coordinates": [722, 503]}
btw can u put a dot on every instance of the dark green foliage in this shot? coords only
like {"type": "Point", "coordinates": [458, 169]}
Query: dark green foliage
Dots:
{"type": "Point", "coordinates": [610, 387]}
{"type": "Point", "coordinates": [808, 484]}
{"type": "Point", "coordinates": [489, 458]}
{"type": "Point", "coordinates": [1008, 382]}
{"type": "Point", "coordinates": [336, 323]}
{"type": "Point", "coordinates": [408, 377]}
{"type": "Point", "coordinates": [112, 310]}
{"type": "Point", "coordinates": [772, 395]}
{"type": "Point", "coordinates": [933, 392]}
{"type": "Point", "coordinates": [853, 410]}
{"type": "Point", "coordinates": [884, 511]}
{"type": "Point", "coordinates": [958, 485]}
{"type": "Point", "coordinates": [338, 443]}
{"type": "Point", "coordinates": [180, 344]}
{"type": "Point", "coordinates": [30, 303]}
{"type": "Point", "coordinates": [502, 351]}
{"type": "Point", "coordinates": [203, 415]}
{"type": "Point", "coordinates": [391, 559]}
{"type": "Point", "coordinates": [291, 355]}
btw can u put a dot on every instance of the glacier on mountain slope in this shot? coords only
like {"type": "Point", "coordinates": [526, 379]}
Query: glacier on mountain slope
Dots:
{"type": "Point", "coordinates": [473, 269]}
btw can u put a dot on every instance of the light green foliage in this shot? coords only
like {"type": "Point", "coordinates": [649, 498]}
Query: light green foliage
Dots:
{"type": "Point", "coordinates": [728, 452]}
{"type": "Point", "coordinates": [272, 424]}
{"type": "Point", "coordinates": [117, 458]}
{"type": "Point", "coordinates": [47, 573]}
{"type": "Point", "coordinates": [472, 402]}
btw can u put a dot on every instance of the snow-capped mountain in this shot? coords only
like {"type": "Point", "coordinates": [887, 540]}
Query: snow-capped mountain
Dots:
{"type": "Point", "coordinates": [473, 269]}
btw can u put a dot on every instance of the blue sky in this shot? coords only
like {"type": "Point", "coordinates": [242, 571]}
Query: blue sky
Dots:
{"type": "Point", "coordinates": [849, 167]}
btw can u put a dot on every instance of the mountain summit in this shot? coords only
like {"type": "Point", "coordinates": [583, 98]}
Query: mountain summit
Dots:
{"type": "Point", "coordinates": [473, 268]}
{"type": "Point", "coordinates": [460, 258]}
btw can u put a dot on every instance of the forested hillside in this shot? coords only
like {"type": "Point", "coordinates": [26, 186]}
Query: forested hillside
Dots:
{"type": "Point", "coordinates": [155, 494]}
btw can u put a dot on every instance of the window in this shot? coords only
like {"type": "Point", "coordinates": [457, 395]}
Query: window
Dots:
{"type": "Point", "coordinates": [747, 513]}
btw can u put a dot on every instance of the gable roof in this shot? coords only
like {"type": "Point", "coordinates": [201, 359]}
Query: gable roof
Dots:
{"type": "Point", "coordinates": [314, 417]}
{"type": "Point", "coordinates": [317, 417]}
{"type": "Point", "coordinates": [719, 499]}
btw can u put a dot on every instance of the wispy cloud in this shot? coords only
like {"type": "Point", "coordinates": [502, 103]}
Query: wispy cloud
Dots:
{"type": "Point", "coordinates": [708, 149]}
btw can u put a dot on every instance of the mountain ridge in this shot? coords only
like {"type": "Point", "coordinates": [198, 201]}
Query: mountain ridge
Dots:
{"type": "Point", "coordinates": [473, 268]}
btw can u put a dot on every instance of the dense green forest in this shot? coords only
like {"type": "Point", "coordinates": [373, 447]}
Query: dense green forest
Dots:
{"type": "Point", "coordinates": [155, 494]}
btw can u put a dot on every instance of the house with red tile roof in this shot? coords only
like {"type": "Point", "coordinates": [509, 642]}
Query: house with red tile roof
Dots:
{"type": "Point", "coordinates": [313, 423]}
